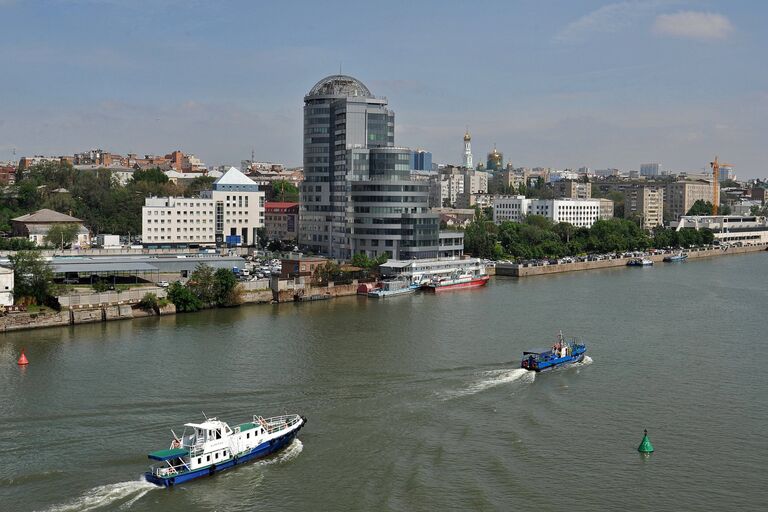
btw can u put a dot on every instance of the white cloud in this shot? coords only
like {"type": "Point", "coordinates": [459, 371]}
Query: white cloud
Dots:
{"type": "Point", "coordinates": [693, 25]}
{"type": "Point", "coordinates": [609, 19]}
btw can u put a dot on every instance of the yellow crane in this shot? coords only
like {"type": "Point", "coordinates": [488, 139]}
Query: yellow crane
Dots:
{"type": "Point", "coordinates": [716, 183]}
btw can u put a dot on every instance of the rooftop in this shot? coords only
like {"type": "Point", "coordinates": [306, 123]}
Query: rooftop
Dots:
{"type": "Point", "coordinates": [46, 216]}
{"type": "Point", "coordinates": [340, 85]}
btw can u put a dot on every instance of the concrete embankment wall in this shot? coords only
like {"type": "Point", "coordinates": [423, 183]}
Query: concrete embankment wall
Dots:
{"type": "Point", "coordinates": [85, 309]}
{"type": "Point", "coordinates": [19, 321]}
{"type": "Point", "coordinates": [516, 270]}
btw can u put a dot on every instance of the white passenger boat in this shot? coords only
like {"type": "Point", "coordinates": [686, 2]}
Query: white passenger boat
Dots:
{"type": "Point", "coordinates": [212, 446]}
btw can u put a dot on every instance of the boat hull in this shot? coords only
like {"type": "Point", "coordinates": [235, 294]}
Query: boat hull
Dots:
{"type": "Point", "coordinates": [258, 452]}
{"type": "Point", "coordinates": [564, 361]}
{"type": "Point", "coordinates": [384, 295]}
{"type": "Point", "coordinates": [474, 283]}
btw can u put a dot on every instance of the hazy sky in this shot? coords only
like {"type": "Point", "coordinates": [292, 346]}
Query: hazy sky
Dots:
{"type": "Point", "coordinates": [561, 84]}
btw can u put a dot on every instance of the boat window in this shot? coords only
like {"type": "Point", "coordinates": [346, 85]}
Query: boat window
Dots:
{"type": "Point", "coordinates": [218, 433]}
{"type": "Point", "coordinates": [208, 459]}
{"type": "Point", "coordinates": [199, 460]}
{"type": "Point", "coordinates": [217, 455]}
{"type": "Point", "coordinates": [248, 435]}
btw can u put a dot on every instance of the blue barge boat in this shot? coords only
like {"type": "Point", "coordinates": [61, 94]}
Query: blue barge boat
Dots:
{"type": "Point", "coordinates": [563, 353]}
{"type": "Point", "coordinates": [212, 447]}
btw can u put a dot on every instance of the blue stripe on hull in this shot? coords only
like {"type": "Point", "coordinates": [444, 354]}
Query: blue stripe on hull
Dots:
{"type": "Point", "coordinates": [258, 452]}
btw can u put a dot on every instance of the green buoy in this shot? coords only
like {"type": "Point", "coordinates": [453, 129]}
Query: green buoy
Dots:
{"type": "Point", "coordinates": [645, 445]}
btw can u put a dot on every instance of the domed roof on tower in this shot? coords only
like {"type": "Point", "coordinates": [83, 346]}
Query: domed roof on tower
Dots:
{"type": "Point", "coordinates": [340, 85]}
{"type": "Point", "coordinates": [467, 136]}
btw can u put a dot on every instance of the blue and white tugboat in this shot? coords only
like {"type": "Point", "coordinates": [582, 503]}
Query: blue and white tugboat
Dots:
{"type": "Point", "coordinates": [212, 446]}
{"type": "Point", "coordinates": [563, 353]}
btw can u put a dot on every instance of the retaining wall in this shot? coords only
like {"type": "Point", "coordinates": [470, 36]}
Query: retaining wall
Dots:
{"type": "Point", "coordinates": [517, 270]}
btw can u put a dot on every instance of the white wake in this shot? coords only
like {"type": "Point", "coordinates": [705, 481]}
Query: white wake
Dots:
{"type": "Point", "coordinates": [119, 495]}
{"type": "Point", "coordinates": [287, 454]}
{"type": "Point", "coordinates": [492, 379]}
{"type": "Point", "coordinates": [585, 362]}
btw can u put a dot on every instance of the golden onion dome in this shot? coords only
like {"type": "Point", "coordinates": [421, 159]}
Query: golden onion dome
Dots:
{"type": "Point", "coordinates": [467, 137]}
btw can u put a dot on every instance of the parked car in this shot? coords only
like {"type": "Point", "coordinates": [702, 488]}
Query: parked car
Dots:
{"type": "Point", "coordinates": [163, 284]}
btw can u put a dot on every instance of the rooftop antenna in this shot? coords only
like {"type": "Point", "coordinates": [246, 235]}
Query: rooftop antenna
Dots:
{"type": "Point", "coordinates": [253, 155]}
{"type": "Point", "coordinates": [339, 67]}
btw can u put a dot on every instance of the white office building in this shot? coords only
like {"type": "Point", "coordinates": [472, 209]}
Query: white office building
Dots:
{"type": "Point", "coordinates": [228, 214]}
{"type": "Point", "coordinates": [579, 212]}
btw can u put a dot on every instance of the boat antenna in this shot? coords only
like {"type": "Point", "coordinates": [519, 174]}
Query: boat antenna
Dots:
{"type": "Point", "coordinates": [204, 416]}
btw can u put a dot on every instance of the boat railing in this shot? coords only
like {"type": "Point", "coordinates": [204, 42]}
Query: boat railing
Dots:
{"type": "Point", "coordinates": [277, 423]}
{"type": "Point", "coordinates": [168, 470]}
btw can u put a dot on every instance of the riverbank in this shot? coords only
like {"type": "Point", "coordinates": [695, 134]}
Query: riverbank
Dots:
{"type": "Point", "coordinates": [520, 270]}
{"type": "Point", "coordinates": [106, 307]}
{"type": "Point", "coordinates": [109, 306]}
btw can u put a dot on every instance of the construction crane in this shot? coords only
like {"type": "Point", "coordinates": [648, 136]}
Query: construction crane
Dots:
{"type": "Point", "coordinates": [716, 183]}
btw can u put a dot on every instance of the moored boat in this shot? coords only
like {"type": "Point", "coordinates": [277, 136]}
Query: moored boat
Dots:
{"type": "Point", "coordinates": [681, 256]}
{"type": "Point", "coordinates": [393, 288]}
{"type": "Point", "coordinates": [212, 446]}
{"type": "Point", "coordinates": [563, 352]}
{"type": "Point", "coordinates": [455, 282]}
{"type": "Point", "coordinates": [640, 262]}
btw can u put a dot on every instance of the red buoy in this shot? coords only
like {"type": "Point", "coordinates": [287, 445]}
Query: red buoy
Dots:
{"type": "Point", "coordinates": [23, 359]}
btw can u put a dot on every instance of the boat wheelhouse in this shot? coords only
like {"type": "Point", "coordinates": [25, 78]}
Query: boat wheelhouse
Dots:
{"type": "Point", "coordinates": [213, 446]}
{"type": "Point", "coordinates": [563, 352]}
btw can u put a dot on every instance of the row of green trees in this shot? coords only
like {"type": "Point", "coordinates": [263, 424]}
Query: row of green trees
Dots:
{"type": "Point", "coordinates": [538, 237]}
{"type": "Point", "coordinates": [206, 287]}
{"type": "Point", "coordinates": [95, 196]}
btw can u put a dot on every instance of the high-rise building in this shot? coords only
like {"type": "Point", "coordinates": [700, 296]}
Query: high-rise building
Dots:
{"type": "Point", "coordinates": [421, 160]}
{"type": "Point", "coordinates": [340, 113]}
{"type": "Point", "coordinates": [388, 212]}
{"type": "Point", "coordinates": [680, 196]}
{"type": "Point", "coordinates": [572, 189]}
{"type": "Point", "coordinates": [467, 150]}
{"type": "Point", "coordinates": [358, 195]}
{"type": "Point", "coordinates": [646, 203]}
{"type": "Point", "coordinates": [650, 169]}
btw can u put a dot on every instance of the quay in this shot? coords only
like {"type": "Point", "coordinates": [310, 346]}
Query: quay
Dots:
{"type": "Point", "coordinates": [529, 270]}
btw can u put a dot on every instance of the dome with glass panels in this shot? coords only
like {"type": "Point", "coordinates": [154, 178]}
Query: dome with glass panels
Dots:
{"type": "Point", "coordinates": [340, 85]}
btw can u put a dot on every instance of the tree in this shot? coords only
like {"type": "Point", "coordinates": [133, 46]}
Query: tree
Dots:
{"type": "Point", "coordinates": [183, 298]}
{"type": "Point", "coordinates": [363, 261]}
{"type": "Point", "coordinates": [33, 277]}
{"type": "Point", "coordinates": [154, 175]}
{"type": "Point", "coordinates": [199, 184]}
{"type": "Point", "coordinates": [283, 190]}
{"type": "Point", "coordinates": [700, 207]}
{"type": "Point", "coordinates": [61, 235]}
{"type": "Point", "coordinates": [202, 283]}
{"type": "Point", "coordinates": [329, 271]}
{"type": "Point", "coordinates": [225, 286]}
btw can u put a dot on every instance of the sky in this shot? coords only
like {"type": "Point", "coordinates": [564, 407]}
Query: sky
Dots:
{"type": "Point", "coordinates": [561, 84]}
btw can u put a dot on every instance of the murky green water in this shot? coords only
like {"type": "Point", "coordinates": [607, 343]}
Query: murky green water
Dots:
{"type": "Point", "coordinates": [414, 403]}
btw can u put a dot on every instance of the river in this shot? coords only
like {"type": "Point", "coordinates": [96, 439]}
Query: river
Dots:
{"type": "Point", "coordinates": [414, 403]}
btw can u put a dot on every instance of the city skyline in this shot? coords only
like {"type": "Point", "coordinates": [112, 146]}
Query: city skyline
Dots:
{"type": "Point", "coordinates": [596, 84]}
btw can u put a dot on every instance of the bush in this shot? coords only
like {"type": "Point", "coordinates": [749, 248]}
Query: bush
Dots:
{"type": "Point", "coordinates": [149, 302]}
{"type": "Point", "coordinates": [100, 286]}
